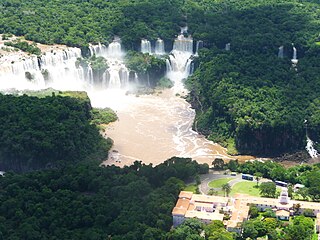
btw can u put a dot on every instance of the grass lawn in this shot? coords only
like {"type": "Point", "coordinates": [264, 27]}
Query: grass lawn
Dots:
{"type": "Point", "coordinates": [219, 182]}
{"type": "Point", "coordinates": [245, 187]}
{"type": "Point", "coordinates": [190, 188]}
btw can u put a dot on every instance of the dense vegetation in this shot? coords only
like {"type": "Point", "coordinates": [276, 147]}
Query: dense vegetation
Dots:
{"type": "Point", "coordinates": [148, 67]}
{"type": "Point", "coordinates": [249, 96]}
{"type": "Point", "coordinates": [78, 22]}
{"type": "Point", "coordinates": [47, 132]}
{"type": "Point", "coordinates": [91, 202]}
{"type": "Point", "coordinates": [300, 228]}
{"type": "Point", "coordinates": [103, 116]}
{"type": "Point", "coordinates": [25, 46]}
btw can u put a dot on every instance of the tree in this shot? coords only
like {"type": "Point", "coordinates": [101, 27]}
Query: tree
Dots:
{"type": "Point", "coordinates": [296, 208]}
{"type": "Point", "coordinates": [258, 176]}
{"type": "Point", "coordinates": [303, 192]}
{"type": "Point", "coordinates": [268, 213]}
{"type": "Point", "coordinates": [308, 213]}
{"type": "Point", "coordinates": [300, 229]}
{"type": "Point", "coordinates": [290, 191]}
{"type": "Point", "coordinates": [249, 230]}
{"type": "Point", "coordinates": [253, 211]}
{"type": "Point", "coordinates": [218, 163]}
{"type": "Point", "coordinates": [226, 188]}
{"type": "Point", "coordinates": [212, 192]}
{"type": "Point", "coordinates": [233, 165]}
{"type": "Point", "coordinates": [268, 189]}
{"type": "Point", "coordinates": [216, 231]}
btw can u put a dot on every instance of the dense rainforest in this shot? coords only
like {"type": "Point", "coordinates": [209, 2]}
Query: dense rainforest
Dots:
{"type": "Point", "coordinates": [248, 97]}
{"type": "Point", "coordinates": [49, 131]}
{"type": "Point", "coordinates": [86, 201]}
{"type": "Point", "coordinates": [251, 96]}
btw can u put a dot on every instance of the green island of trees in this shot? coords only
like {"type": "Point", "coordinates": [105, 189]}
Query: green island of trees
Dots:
{"type": "Point", "coordinates": [49, 131]}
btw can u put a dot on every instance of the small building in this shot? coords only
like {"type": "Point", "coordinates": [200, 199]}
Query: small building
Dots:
{"type": "Point", "coordinates": [209, 208]}
{"type": "Point", "coordinates": [283, 215]}
{"type": "Point", "coordinates": [297, 186]}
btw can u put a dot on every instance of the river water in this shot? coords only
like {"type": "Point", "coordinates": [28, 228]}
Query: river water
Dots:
{"type": "Point", "coordinates": [153, 128]}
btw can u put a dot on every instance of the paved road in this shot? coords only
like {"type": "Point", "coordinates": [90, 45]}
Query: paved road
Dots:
{"type": "Point", "coordinates": [213, 175]}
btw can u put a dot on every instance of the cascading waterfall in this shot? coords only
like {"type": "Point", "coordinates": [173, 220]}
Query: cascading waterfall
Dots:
{"type": "Point", "coordinates": [280, 52]}
{"type": "Point", "coordinates": [56, 69]}
{"type": "Point", "coordinates": [62, 72]}
{"type": "Point", "coordinates": [159, 48]}
{"type": "Point", "coordinates": [294, 59]}
{"type": "Point", "coordinates": [183, 44]}
{"type": "Point", "coordinates": [145, 46]}
{"type": "Point", "coordinates": [179, 63]}
{"type": "Point", "coordinates": [198, 46]}
{"type": "Point", "coordinates": [310, 149]}
{"type": "Point", "coordinates": [117, 74]}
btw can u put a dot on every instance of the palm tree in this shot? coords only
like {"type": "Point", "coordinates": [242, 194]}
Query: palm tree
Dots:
{"type": "Point", "coordinates": [258, 176]}
{"type": "Point", "coordinates": [226, 188]}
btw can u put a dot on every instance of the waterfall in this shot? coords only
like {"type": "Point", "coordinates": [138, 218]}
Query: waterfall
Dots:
{"type": "Point", "coordinates": [183, 44]}
{"type": "Point", "coordinates": [62, 71]}
{"type": "Point", "coordinates": [168, 66]}
{"type": "Point", "coordinates": [117, 74]}
{"type": "Point", "coordinates": [227, 48]}
{"type": "Point", "coordinates": [159, 49]}
{"type": "Point", "coordinates": [294, 59]}
{"type": "Point", "coordinates": [145, 46]}
{"type": "Point", "coordinates": [179, 62]}
{"type": "Point", "coordinates": [192, 68]}
{"type": "Point", "coordinates": [89, 75]}
{"type": "Point", "coordinates": [199, 46]}
{"type": "Point", "coordinates": [280, 52]}
{"type": "Point", "coordinates": [55, 68]}
{"type": "Point", "coordinates": [310, 149]}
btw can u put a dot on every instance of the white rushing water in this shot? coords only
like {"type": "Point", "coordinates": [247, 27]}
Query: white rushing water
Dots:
{"type": "Point", "coordinates": [146, 46]}
{"type": "Point", "coordinates": [151, 128]}
{"type": "Point", "coordinates": [159, 48]}
{"type": "Point", "coordinates": [310, 149]}
{"type": "Point", "coordinates": [294, 59]}
{"type": "Point", "coordinates": [117, 74]}
{"type": "Point", "coordinates": [55, 69]}
{"type": "Point", "coordinates": [179, 63]}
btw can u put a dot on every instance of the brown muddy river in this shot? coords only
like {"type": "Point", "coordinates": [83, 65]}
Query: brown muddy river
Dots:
{"type": "Point", "coordinates": [153, 128]}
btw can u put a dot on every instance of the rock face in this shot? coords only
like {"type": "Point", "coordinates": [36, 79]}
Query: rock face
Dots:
{"type": "Point", "coordinates": [298, 157]}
